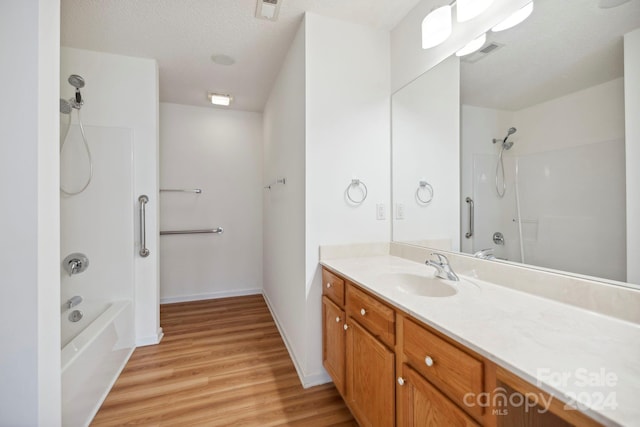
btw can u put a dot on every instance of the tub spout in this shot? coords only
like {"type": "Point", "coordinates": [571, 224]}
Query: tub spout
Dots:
{"type": "Point", "coordinates": [73, 301]}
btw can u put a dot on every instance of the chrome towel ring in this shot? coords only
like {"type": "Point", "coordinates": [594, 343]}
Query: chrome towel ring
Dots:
{"type": "Point", "coordinates": [424, 187]}
{"type": "Point", "coordinates": [356, 183]}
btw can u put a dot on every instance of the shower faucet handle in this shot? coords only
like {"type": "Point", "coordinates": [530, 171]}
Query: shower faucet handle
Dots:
{"type": "Point", "coordinates": [75, 263]}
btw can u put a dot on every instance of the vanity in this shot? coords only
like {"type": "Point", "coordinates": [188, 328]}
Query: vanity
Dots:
{"type": "Point", "coordinates": [405, 348]}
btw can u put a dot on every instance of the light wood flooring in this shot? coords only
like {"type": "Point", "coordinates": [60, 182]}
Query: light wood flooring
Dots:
{"type": "Point", "coordinates": [220, 363]}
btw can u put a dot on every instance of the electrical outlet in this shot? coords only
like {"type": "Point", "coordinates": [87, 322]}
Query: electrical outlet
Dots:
{"type": "Point", "coordinates": [380, 211]}
{"type": "Point", "coordinates": [399, 210]}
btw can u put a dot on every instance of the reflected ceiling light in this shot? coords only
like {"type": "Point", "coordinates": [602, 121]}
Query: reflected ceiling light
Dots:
{"type": "Point", "coordinates": [516, 18]}
{"type": "Point", "coordinates": [469, 9]}
{"type": "Point", "coordinates": [268, 9]}
{"type": "Point", "coordinates": [473, 45]}
{"type": "Point", "coordinates": [436, 27]}
{"type": "Point", "coordinates": [218, 99]}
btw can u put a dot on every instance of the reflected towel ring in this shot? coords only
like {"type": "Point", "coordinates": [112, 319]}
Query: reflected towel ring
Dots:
{"type": "Point", "coordinates": [359, 184]}
{"type": "Point", "coordinates": [424, 185]}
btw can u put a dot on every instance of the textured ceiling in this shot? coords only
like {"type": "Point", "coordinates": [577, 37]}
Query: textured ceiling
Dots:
{"type": "Point", "coordinates": [563, 47]}
{"type": "Point", "coordinates": [183, 34]}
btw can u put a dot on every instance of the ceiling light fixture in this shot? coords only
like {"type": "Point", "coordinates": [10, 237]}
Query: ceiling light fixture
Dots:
{"type": "Point", "coordinates": [268, 9]}
{"type": "Point", "coordinates": [473, 45]}
{"type": "Point", "coordinates": [469, 9]}
{"type": "Point", "coordinates": [218, 99]}
{"type": "Point", "coordinates": [436, 27]}
{"type": "Point", "coordinates": [516, 18]}
{"type": "Point", "coordinates": [222, 59]}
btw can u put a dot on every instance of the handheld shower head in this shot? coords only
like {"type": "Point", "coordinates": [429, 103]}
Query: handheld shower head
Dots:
{"type": "Point", "coordinates": [76, 81]}
{"type": "Point", "coordinates": [507, 145]}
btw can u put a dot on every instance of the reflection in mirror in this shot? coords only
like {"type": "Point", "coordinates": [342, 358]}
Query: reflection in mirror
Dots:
{"type": "Point", "coordinates": [557, 79]}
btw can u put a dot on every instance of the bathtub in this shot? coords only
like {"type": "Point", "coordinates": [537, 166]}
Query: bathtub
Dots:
{"type": "Point", "coordinates": [94, 351]}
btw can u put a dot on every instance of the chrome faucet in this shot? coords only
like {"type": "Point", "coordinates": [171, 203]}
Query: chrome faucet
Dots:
{"type": "Point", "coordinates": [73, 301]}
{"type": "Point", "coordinates": [485, 254]}
{"type": "Point", "coordinates": [443, 267]}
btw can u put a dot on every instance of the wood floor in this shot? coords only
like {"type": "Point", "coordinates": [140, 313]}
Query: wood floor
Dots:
{"type": "Point", "coordinates": [220, 363]}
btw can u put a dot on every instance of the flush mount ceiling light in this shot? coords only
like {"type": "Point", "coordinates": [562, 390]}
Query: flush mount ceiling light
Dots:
{"type": "Point", "coordinates": [268, 9]}
{"type": "Point", "coordinates": [218, 99]}
{"type": "Point", "coordinates": [436, 27]}
{"type": "Point", "coordinates": [516, 18]}
{"type": "Point", "coordinates": [222, 59]}
{"type": "Point", "coordinates": [473, 45]}
{"type": "Point", "coordinates": [469, 9]}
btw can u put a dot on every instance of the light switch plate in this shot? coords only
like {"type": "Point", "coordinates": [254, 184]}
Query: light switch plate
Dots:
{"type": "Point", "coordinates": [380, 211]}
{"type": "Point", "coordinates": [399, 210]}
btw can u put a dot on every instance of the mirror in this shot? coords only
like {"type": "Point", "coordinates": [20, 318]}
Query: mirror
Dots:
{"type": "Point", "coordinates": [557, 79]}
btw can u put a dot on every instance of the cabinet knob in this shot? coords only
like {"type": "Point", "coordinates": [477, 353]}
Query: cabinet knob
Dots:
{"type": "Point", "coordinates": [401, 381]}
{"type": "Point", "coordinates": [328, 285]}
{"type": "Point", "coordinates": [429, 361]}
{"type": "Point", "coordinates": [363, 311]}
{"type": "Point", "coordinates": [345, 327]}
{"type": "Point", "coordinates": [337, 320]}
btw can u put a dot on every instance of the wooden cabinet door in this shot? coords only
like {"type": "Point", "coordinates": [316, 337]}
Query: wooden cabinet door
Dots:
{"type": "Point", "coordinates": [370, 378]}
{"type": "Point", "coordinates": [422, 405]}
{"type": "Point", "coordinates": [333, 342]}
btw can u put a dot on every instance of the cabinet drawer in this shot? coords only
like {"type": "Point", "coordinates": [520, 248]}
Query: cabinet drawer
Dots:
{"type": "Point", "coordinates": [333, 287]}
{"type": "Point", "coordinates": [375, 316]}
{"type": "Point", "coordinates": [450, 369]}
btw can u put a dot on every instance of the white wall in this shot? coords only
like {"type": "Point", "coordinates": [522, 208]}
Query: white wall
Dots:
{"type": "Point", "coordinates": [29, 248]}
{"type": "Point", "coordinates": [219, 152]}
{"type": "Point", "coordinates": [409, 60]}
{"type": "Point", "coordinates": [284, 205]}
{"type": "Point", "coordinates": [426, 146]}
{"type": "Point", "coordinates": [122, 91]}
{"type": "Point", "coordinates": [348, 127]}
{"type": "Point", "coordinates": [632, 126]}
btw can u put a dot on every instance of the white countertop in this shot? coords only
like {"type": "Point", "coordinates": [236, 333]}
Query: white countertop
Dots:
{"type": "Point", "coordinates": [538, 339]}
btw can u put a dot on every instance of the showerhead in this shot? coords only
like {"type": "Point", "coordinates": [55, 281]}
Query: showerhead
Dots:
{"type": "Point", "coordinates": [65, 106]}
{"type": "Point", "coordinates": [511, 131]}
{"type": "Point", "coordinates": [507, 145]}
{"type": "Point", "coordinates": [76, 81]}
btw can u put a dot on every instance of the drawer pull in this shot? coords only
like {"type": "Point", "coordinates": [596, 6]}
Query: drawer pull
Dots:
{"type": "Point", "coordinates": [337, 320]}
{"type": "Point", "coordinates": [428, 361]}
{"type": "Point", "coordinates": [363, 311]}
{"type": "Point", "coordinates": [401, 380]}
{"type": "Point", "coordinates": [345, 327]}
{"type": "Point", "coordinates": [328, 285]}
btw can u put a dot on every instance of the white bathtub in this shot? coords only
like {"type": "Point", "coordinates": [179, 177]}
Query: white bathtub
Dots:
{"type": "Point", "coordinates": [93, 356]}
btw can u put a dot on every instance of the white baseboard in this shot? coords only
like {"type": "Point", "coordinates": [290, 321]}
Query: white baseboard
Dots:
{"type": "Point", "coordinates": [307, 380]}
{"type": "Point", "coordinates": [150, 340]}
{"type": "Point", "coordinates": [212, 295]}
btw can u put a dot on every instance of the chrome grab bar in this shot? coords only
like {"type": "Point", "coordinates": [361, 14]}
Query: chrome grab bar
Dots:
{"type": "Point", "coordinates": [218, 230]}
{"type": "Point", "coordinates": [471, 213]}
{"type": "Point", "coordinates": [144, 251]}
{"type": "Point", "coordinates": [180, 190]}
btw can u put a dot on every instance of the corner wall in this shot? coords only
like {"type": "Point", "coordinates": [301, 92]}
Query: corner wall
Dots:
{"type": "Point", "coordinates": [220, 152]}
{"type": "Point", "coordinates": [29, 188]}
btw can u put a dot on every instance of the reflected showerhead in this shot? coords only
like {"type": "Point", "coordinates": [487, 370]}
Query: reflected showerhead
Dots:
{"type": "Point", "coordinates": [65, 106]}
{"type": "Point", "coordinates": [76, 81]}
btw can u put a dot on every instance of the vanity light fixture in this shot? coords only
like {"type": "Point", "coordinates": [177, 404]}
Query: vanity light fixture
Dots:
{"type": "Point", "coordinates": [473, 45]}
{"type": "Point", "coordinates": [436, 27]}
{"type": "Point", "coordinates": [469, 9]}
{"type": "Point", "coordinates": [516, 18]}
{"type": "Point", "coordinates": [218, 99]}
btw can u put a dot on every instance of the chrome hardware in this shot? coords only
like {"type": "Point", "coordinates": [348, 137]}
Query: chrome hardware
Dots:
{"type": "Point", "coordinates": [178, 190]}
{"type": "Point", "coordinates": [428, 361]}
{"type": "Point", "coordinates": [218, 230]}
{"type": "Point", "coordinates": [363, 311]}
{"type": "Point", "coordinates": [485, 254]}
{"type": "Point", "coordinates": [498, 238]}
{"type": "Point", "coordinates": [337, 320]}
{"type": "Point", "coordinates": [363, 188]}
{"type": "Point", "coordinates": [442, 266]}
{"type": "Point", "coordinates": [143, 200]}
{"type": "Point", "coordinates": [75, 263]}
{"type": "Point", "coordinates": [401, 381]}
{"type": "Point", "coordinates": [424, 185]}
{"type": "Point", "coordinates": [282, 181]}
{"type": "Point", "coordinates": [328, 285]}
{"type": "Point", "coordinates": [73, 301]}
{"type": "Point", "coordinates": [345, 327]}
{"type": "Point", "coordinates": [75, 316]}
{"type": "Point", "coordinates": [471, 214]}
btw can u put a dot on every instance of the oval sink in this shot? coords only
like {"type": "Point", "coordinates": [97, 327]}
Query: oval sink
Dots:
{"type": "Point", "coordinates": [414, 284]}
